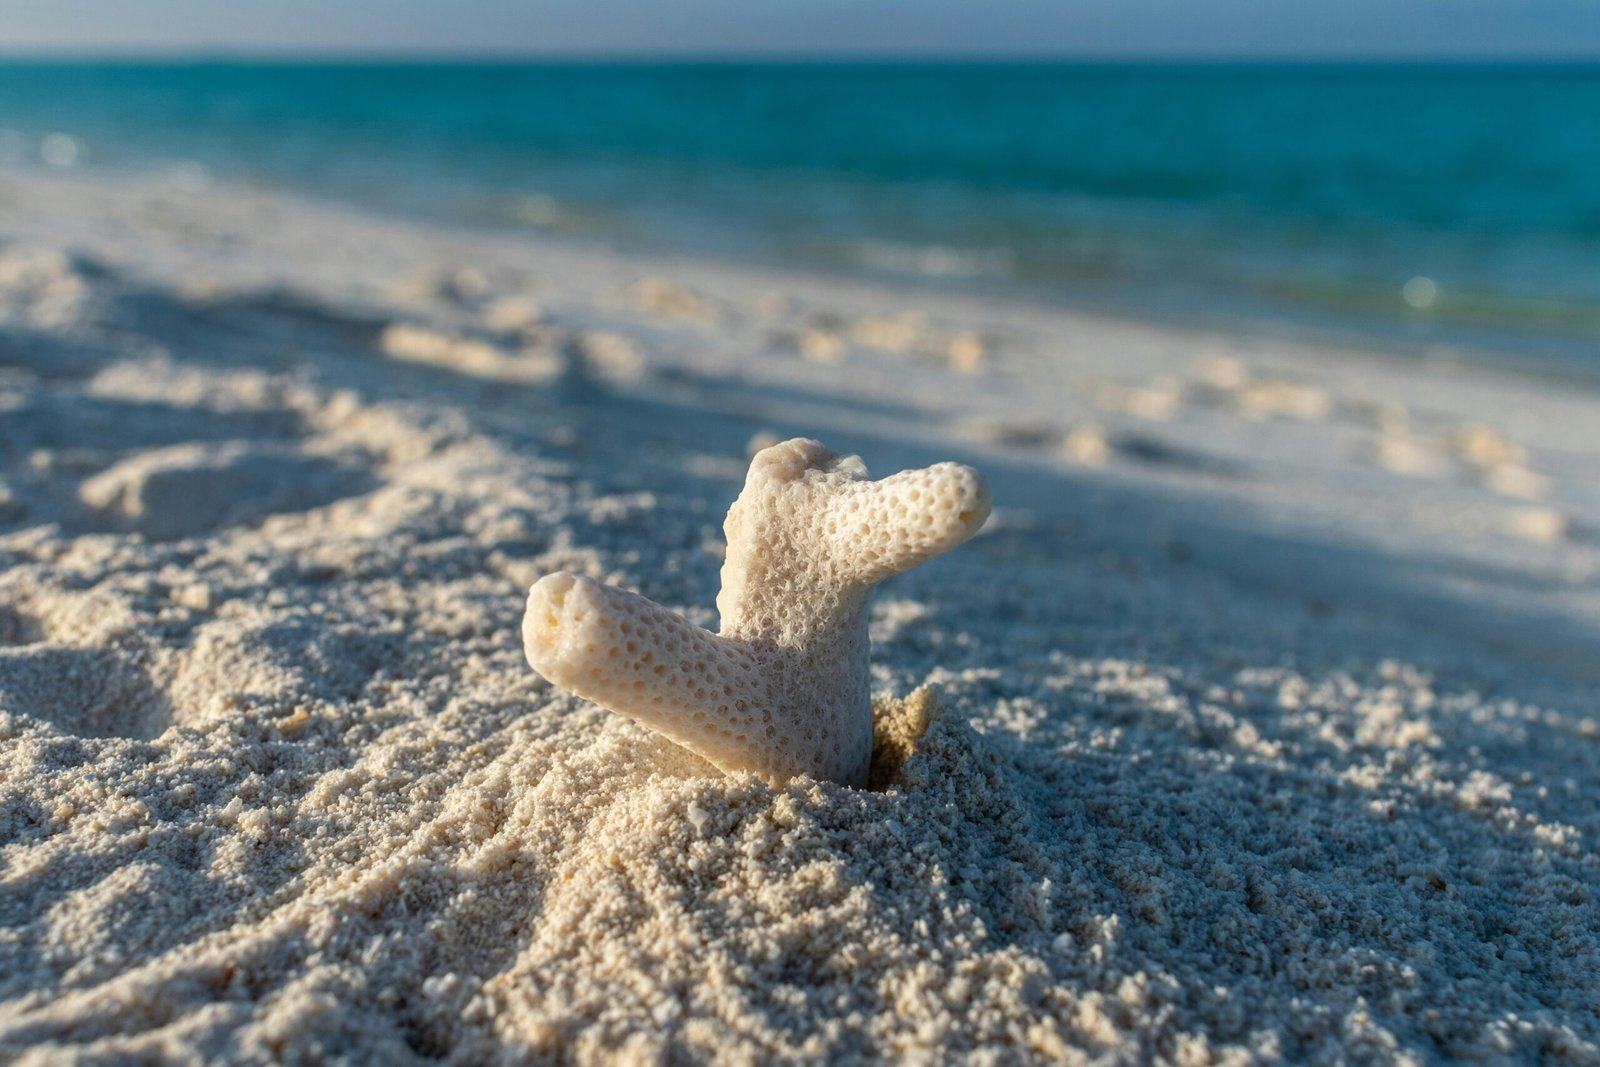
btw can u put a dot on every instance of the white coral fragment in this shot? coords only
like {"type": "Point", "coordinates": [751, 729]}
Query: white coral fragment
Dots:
{"type": "Point", "coordinates": [783, 689]}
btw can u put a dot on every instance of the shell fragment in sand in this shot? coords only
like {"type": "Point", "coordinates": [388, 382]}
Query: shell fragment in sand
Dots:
{"type": "Point", "coordinates": [783, 689]}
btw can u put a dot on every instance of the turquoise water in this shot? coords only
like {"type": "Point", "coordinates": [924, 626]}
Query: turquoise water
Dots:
{"type": "Point", "coordinates": [1450, 203]}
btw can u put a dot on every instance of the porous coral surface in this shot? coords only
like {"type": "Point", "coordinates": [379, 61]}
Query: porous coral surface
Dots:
{"type": "Point", "coordinates": [784, 689]}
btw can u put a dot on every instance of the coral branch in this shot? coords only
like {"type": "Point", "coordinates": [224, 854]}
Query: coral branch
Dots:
{"type": "Point", "coordinates": [783, 690]}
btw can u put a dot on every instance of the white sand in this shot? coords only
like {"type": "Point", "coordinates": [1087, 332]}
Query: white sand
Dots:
{"type": "Point", "coordinates": [1269, 721]}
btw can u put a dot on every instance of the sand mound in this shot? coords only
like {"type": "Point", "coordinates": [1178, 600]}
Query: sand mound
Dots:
{"type": "Point", "coordinates": [189, 489]}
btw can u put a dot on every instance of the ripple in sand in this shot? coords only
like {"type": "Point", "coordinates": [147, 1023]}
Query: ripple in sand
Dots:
{"type": "Point", "coordinates": [664, 297]}
{"type": "Point", "coordinates": [184, 490]}
{"type": "Point", "coordinates": [86, 692]}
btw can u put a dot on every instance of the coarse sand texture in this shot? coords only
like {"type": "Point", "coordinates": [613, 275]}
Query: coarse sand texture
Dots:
{"type": "Point", "coordinates": [1259, 725]}
{"type": "Point", "coordinates": [783, 690]}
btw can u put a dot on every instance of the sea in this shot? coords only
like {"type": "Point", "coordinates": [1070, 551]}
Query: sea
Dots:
{"type": "Point", "coordinates": [1415, 207]}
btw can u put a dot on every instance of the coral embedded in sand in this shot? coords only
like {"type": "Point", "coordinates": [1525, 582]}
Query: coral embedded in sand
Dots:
{"type": "Point", "coordinates": [783, 689]}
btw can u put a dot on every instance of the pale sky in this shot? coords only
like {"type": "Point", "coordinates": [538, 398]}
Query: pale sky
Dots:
{"type": "Point", "coordinates": [775, 28]}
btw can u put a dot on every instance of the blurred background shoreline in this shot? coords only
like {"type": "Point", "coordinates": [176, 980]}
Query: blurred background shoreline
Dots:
{"type": "Point", "coordinates": [1408, 207]}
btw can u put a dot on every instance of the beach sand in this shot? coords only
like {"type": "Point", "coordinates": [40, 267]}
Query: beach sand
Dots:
{"type": "Point", "coordinates": [1262, 720]}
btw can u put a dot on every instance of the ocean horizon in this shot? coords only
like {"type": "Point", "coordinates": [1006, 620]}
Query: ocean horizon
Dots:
{"type": "Point", "coordinates": [1446, 203]}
